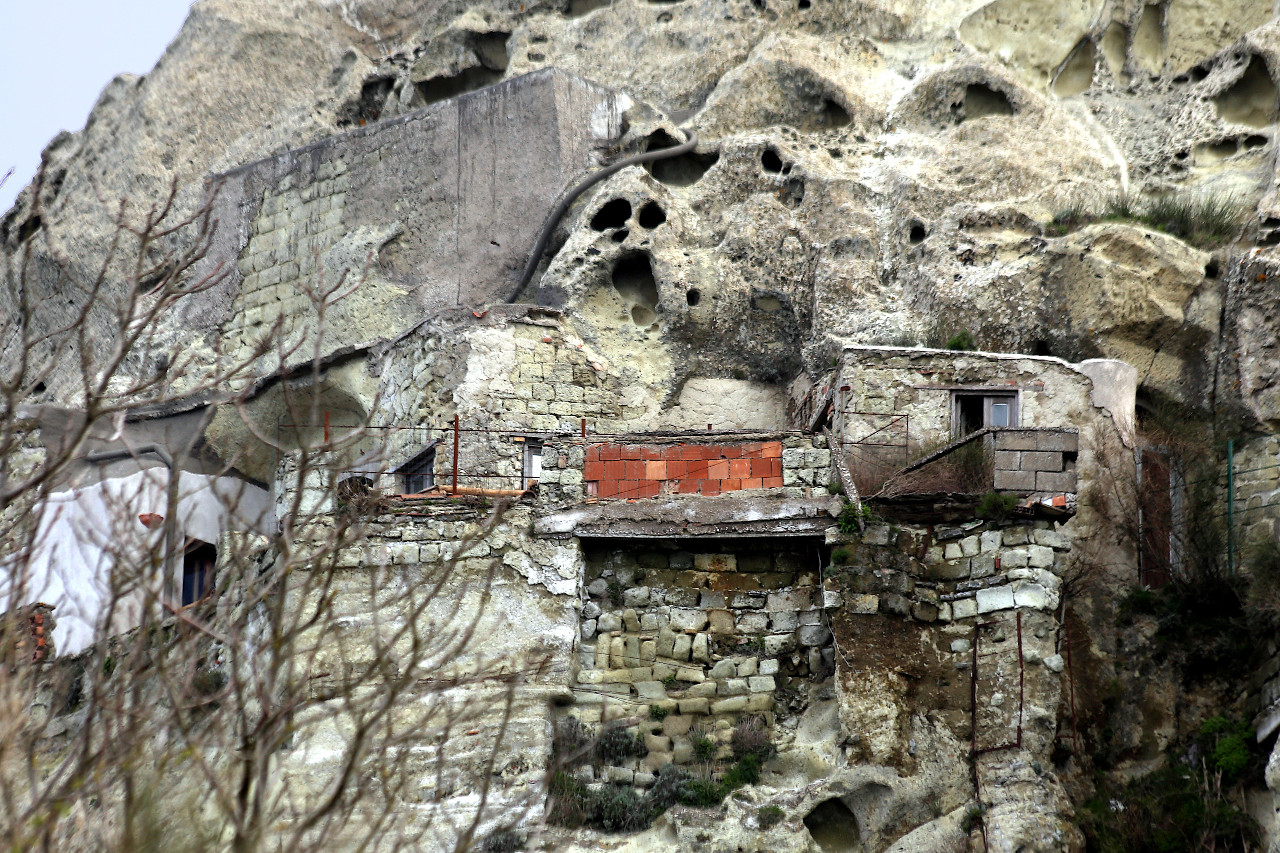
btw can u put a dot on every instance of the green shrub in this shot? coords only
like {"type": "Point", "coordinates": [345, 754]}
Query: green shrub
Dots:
{"type": "Point", "coordinates": [618, 808]}
{"type": "Point", "coordinates": [572, 741]}
{"type": "Point", "coordinates": [618, 744]}
{"type": "Point", "coordinates": [769, 816]}
{"type": "Point", "coordinates": [995, 506]}
{"type": "Point", "coordinates": [839, 556]}
{"type": "Point", "coordinates": [501, 841]}
{"type": "Point", "coordinates": [744, 771]}
{"type": "Point", "coordinates": [704, 748]}
{"type": "Point", "coordinates": [751, 737]}
{"type": "Point", "coordinates": [961, 340]}
{"type": "Point", "coordinates": [851, 515]}
{"type": "Point", "coordinates": [657, 712]}
{"type": "Point", "coordinates": [615, 591]}
{"type": "Point", "coordinates": [1227, 744]}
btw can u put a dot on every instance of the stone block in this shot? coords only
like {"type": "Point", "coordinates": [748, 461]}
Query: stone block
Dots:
{"type": "Point", "coordinates": [666, 642]}
{"type": "Point", "coordinates": [1064, 483]}
{"type": "Point", "coordinates": [783, 621]}
{"type": "Point", "coordinates": [694, 706]}
{"type": "Point", "coordinates": [1051, 538]}
{"type": "Point", "coordinates": [1040, 460]}
{"type": "Point", "coordinates": [876, 534]}
{"type": "Point", "coordinates": [732, 705]}
{"type": "Point", "coordinates": [761, 684]}
{"type": "Point", "coordinates": [1039, 556]}
{"type": "Point", "coordinates": [1015, 558]}
{"type": "Point", "coordinates": [813, 635]}
{"type": "Point", "coordinates": [610, 622]}
{"type": "Point", "coordinates": [1016, 536]}
{"type": "Point", "coordinates": [1015, 481]}
{"type": "Point", "coordinates": [711, 599]}
{"type": "Point", "coordinates": [724, 669]}
{"type": "Point", "coordinates": [924, 611]}
{"type": "Point", "coordinates": [747, 600]}
{"type": "Point", "coordinates": [591, 676]}
{"type": "Point", "coordinates": [747, 667]}
{"type": "Point", "coordinates": [989, 541]}
{"type": "Point", "coordinates": [777, 644]}
{"type": "Point", "coordinates": [733, 687]}
{"type": "Point", "coordinates": [633, 650]}
{"type": "Point", "coordinates": [692, 674]}
{"type": "Point", "coordinates": [982, 566]}
{"type": "Point", "coordinates": [684, 644]}
{"type": "Point", "coordinates": [1030, 595]}
{"type": "Point", "coordinates": [676, 724]}
{"type": "Point", "coordinates": [1068, 442]}
{"type": "Point", "coordinates": [630, 620]}
{"type": "Point", "coordinates": [588, 629]}
{"type": "Point", "coordinates": [952, 570]}
{"type": "Point", "coordinates": [768, 667]}
{"type": "Point", "coordinates": [705, 690]}
{"type": "Point", "coordinates": [721, 621]}
{"type": "Point", "coordinates": [753, 623]}
{"type": "Point", "coordinates": [864, 603]}
{"type": "Point", "coordinates": [961, 646]}
{"type": "Point", "coordinates": [964, 608]}
{"type": "Point", "coordinates": [687, 619]}
{"type": "Point", "coordinates": [701, 650]}
{"type": "Point", "coordinates": [792, 599]}
{"type": "Point", "coordinates": [1008, 460]}
{"type": "Point", "coordinates": [715, 562]}
{"type": "Point", "coordinates": [590, 610]}
{"type": "Point", "coordinates": [1015, 440]}
{"type": "Point", "coordinates": [637, 596]}
{"type": "Point", "coordinates": [760, 702]}
{"type": "Point", "coordinates": [680, 560]}
{"type": "Point", "coordinates": [681, 597]}
{"type": "Point", "coordinates": [1054, 663]}
{"type": "Point", "coordinates": [648, 651]}
{"type": "Point", "coordinates": [951, 551]}
{"type": "Point", "coordinates": [994, 598]}
{"type": "Point", "coordinates": [603, 644]}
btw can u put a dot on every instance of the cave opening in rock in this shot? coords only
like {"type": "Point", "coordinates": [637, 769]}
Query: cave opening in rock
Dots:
{"type": "Point", "coordinates": [793, 192]}
{"type": "Point", "coordinates": [620, 235]}
{"type": "Point", "coordinates": [1211, 269]}
{"type": "Point", "coordinates": [491, 50]}
{"type": "Point", "coordinates": [693, 296]}
{"type": "Point", "coordinates": [1076, 74]}
{"type": "Point", "coordinates": [373, 97]}
{"type": "Point", "coordinates": [1251, 100]}
{"type": "Point", "coordinates": [770, 161]}
{"type": "Point", "coordinates": [1253, 141]}
{"type": "Point", "coordinates": [634, 281]}
{"type": "Point", "coordinates": [681, 171]}
{"type": "Point", "coordinates": [651, 215]}
{"type": "Point", "coordinates": [613, 214]}
{"type": "Point", "coordinates": [1147, 48]}
{"type": "Point", "coordinates": [917, 233]}
{"type": "Point", "coordinates": [833, 827]}
{"type": "Point", "coordinates": [451, 85]}
{"type": "Point", "coordinates": [832, 115]}
{"type": "Point", "coordinates": [981, 100]}
{"type": "Point", "coordinates": [803, 4]}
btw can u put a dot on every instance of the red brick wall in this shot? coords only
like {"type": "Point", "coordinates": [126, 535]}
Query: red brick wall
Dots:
{"type": "Point", "coordinates": [638, 471]}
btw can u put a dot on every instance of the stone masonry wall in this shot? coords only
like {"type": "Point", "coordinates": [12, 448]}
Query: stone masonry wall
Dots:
{"type": "Point", "coordinates": [690, 641]}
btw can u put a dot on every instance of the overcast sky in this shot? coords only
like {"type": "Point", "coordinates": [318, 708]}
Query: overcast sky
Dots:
{"type": "Point", "coordinates": [56, 56]}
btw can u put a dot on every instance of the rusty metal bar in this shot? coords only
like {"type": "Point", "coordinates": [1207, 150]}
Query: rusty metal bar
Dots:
{"type": "Point", "coordinates": [455, 454]}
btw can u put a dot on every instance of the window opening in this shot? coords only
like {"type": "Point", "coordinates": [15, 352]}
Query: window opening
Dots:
{"type": "Point", "coordinates": [197, 572]}
{"type": "Point", "coordinates": [971, 412]}
{"type": "Point", "coordinates": [420, 472]}
{"type": "Point", "coordinates": [532, 464]}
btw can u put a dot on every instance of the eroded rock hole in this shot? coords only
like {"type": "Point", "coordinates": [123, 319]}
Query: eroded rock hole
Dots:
{"type": "Point", "coordinates": [1076, 74]}
{"type": "Point", "coordinates": [491, 50]}
{"type": "Point", "coordinates": [26, 229]}
{"type": "Point", "coordinates": [620, 235]}
{"type": "Point", "coordinates": [1113, 47]}
{"type": "Point", "coordinates": [981, 100]}
{"type": "Point", "coordinates": [1251, 100]}
{"type": "Point", "coordinates": [917, 233]}
{"type": "Point", "coordinates": [1040, 348]}
{"type": "Point", "coordinates": [651, 215]}
{"type": "Point", "coordinates": [39, 388]}
{"type": "Point", "coordinates": [373, 97]}
{"type": "Point", "coordinates": [834, 828]}
{"type": "Point", "coordinates": [682, 171]}
{"type": "Point", "coordinates": [769, 304]}
{"type": "Point", "coordinates": [831, 115]}
{"type": "Point", "coordinates": [803, 4]}
{"type": "Point", "coordinates": [793, 192]}
{"type": "Point", "coordinates": [450, 86]}
{"type": "Point", "coordinates": [1211, 269]}
{"type": "Point", "coordinates": [770, 161]}
{"type": "Point", "coordinates": [614, 214]}
{"type": "Point", "coordinates": [1253, 141]}
{"type": "Point", "coordinates": [693, 296]}
{"type": "Point", "coordinates": [1197, 73]}
{"type": "Point", "coordinates": [1216, 151]}
{"type": "Point", "coordinates": [1148, 39]}
{"type": "Point", "coordinates": [633, 279]}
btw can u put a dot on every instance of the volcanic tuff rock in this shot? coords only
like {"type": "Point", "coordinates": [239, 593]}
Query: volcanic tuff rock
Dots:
{"type": "Point", "coordinates": [875, 172]}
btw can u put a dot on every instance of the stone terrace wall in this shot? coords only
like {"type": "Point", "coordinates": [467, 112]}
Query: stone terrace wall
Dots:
{"type": "Point", "coordinates": [1035, 460]}
{"type": "Point", "coordinates": [698, 637]}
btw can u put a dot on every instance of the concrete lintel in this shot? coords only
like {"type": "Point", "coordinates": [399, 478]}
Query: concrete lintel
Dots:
{"type": "Point", "coordinates": [733, 515]}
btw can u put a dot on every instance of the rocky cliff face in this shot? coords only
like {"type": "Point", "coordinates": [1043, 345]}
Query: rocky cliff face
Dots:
{"type": "Point", "coordinates": [879, 172]}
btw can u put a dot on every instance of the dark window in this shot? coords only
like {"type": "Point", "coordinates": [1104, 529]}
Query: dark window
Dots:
{"type": "Point", "coordinates": [973, 411]}
{"type": "Point", "coordinates": [197, 572]}
{"type": "Point", "coordinates": [420, 472]}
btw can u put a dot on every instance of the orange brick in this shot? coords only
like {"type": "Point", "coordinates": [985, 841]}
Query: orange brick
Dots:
{"type": "Point", "coordinates": [752, 450]}
{"type": "Point", "coordinates": [630, 452]}
{"type": "Point", "coordinates": [648, 489]}
{"type": "Point", "coordinates": [593, 490]}
{"type": "Point", "coordinates": [593, 470]}
{"type": "Point", "coordinates": [739, 468]}
{"type": "Point", "coordinates": [608, 489]}
{"type": "Point", "coordinates": [775, 467]}
{"type": "Point", "coordinates": [635, 469]}
{"type": "Point", "coordinates": [753, 483]}
{"type": "Point", "coordinates": [615, 470]}
{"type": "Point", "coordinates": [732, 485]}
{"type": "Point", "coordinates": [731, 451]}
{"type": "Point", "coordinates": [691, 451]}
{"type": "Point", "coordinates": [710, 487]}
{"type": "Point", "coordinates": [718, 469]}
{"type": "Point", "coordinates": [697, 470]}
{"type": "Point", "coordinates": [672, 452]}
{"type": "Point", "coordinates": [677, 470]}
{"type": "Point", "coordinates": [761, 468]}
{"type": "Point", "coordinates": [770, 449]}
{"type": "Point", "coordinates": [610, 451]}
{"type": "Point", "coordinates": [689, 487]}
{"type": "Point", "coordinates": [649, 454]}
{"type": "Point", "coordinates": [593, 453]}
{"type": "Point", "coordinates": [773, 483]}
{"type": "Point", "coordinates": [655, 470]}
